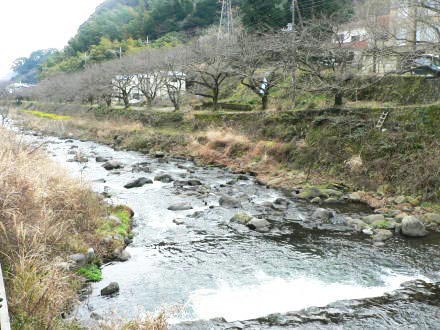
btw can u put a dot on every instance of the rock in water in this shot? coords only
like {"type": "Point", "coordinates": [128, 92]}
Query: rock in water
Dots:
{"type": "Point", "coordinates": [242, 218]}
{"type": "Point", "coordinates": [112, 165]}
{"type": "Point", "coordinates": [164, 178]}
{"type": "Point", "coordinates": [110, 289]}
{"type": "Point", "coordinates": [180, 207]}
{"type": "Point", "coordinates": [229, 202]}
{"type": "Point", "coordinates": [323, 214]}
{"type": "Point", "coordinates": [373, 218]}
{"type": "Point", "coordinates": [260, 225]}
{"type": "Point", "coordinates": [381, 235]}
{"type": "Point", "coordinates": [100, 159]}
{"type": "Point", "coordinates": [413, 227]}
{"type": "Point", "coordinates": [138, 183]}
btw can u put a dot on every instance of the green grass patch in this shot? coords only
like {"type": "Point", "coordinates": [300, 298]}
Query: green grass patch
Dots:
{"type": "Point", "coordinates": [46, 115]}
{"type": "Point", "coordinates": [123, 229]}
{"type": "Point", "coordinates": [91, 272]}
{"type": "Point", "coordinates": [382, 224]}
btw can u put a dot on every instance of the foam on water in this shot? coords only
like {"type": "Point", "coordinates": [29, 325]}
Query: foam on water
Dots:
{"type": "Point", "coordinates": [278, 295]}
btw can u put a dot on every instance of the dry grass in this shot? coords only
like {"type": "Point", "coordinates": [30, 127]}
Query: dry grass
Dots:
{"type": "Point", "coordinates": [45, 215]}
{"type": "Point", "coordinates": [145, 322]}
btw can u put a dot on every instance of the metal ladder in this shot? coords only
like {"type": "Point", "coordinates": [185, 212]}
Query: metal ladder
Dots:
{"type": "Point", "coordinates": [382, 119]}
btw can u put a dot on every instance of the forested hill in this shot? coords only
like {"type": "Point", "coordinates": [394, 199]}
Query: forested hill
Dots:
{"type": "Point", "coordinates": [142, 19]}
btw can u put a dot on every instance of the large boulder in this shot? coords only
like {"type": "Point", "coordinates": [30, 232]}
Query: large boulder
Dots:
{"type": "Point", "coordinates": [112, 165]}
{"type": "Point", "coordinates": [413, 227]}
{"type": "Point", "coordinates": [229, 202]}
{"type": "Point", "coordinates": [138, 183]}
{"type": "Point", "coordinates": [121, 254]}
{"type": "Point", "coordinates": [180, 207]}
{"type": "Point", "coordinates": [110, 289]}
{"type": "Point", "coordinates": [431, 218]}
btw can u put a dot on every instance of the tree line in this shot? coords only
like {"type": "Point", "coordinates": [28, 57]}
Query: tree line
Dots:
{"type": "Point", "coordinates": [319, 56]}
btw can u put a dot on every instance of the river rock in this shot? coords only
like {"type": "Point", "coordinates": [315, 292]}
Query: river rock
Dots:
{"type": "Point", "coordinates": [373, 218]}
{"type": "Point", "coordinates": [413, 227]}
{"type": "Point", "coordinates": [159, 154]}
{"type": "Point", "coordinates": [381, 235]}
{"type": "Point", "coordinates": [114, 220]}
{"type": "Point", "coordinates": [194, 182]}
{"type": "Point", "coordinates": [400, 200]}
{"type": "Point", "coordinates": [323, 214]}
{"type": "Point", "coordinates": [179, 221]}
{"type": "Point", "coordinates": [80, 158]}
{"type": "Point", "coordinates": [141, 167]}
{"type": "Point", "coordinates": [242, 218]}
{"type": "Point", "coordinates": [164, 178]}
{"type": "Point", "coordinates": [121, 254]}
{"type": "Point", "coordinates": [79, 259]}
{"type": "Point", "coordinates": [354, 197]}
{"type": "Point", "coordinates": [229, 202]}
{"type": "Point", "coordinates": [100, 159]}
{"type": "Point", "coordinates": [260, 225]}
{"type": "Point", "coordinates": [90, 253]}
{"type": "Point", "coordinates": [281, 201]}
{"type": "Point", "coordinates": [180, 207]}
{"type": "Point", "coordinates": [110, 289]}
{"type": "Point", "coordinates": [431, 218]}
{"type": "Point", "coordinates": [316, 200]}
{"type": "Point", "coordinates": [112, 165]}
{"type": "Point", "coordinates": [357, 224]}
{"type": "Point", "coordinates": [138, 183]}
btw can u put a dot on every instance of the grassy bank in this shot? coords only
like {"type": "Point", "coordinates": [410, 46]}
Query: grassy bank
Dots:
{"type": "Point", "coordinates": [46, 216]}
{"type": "Point", "coordinates": [286, 148]}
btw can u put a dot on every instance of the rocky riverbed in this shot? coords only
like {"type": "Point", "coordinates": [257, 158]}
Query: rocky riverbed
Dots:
{"type": "Point", "coordinates": [220, 245]}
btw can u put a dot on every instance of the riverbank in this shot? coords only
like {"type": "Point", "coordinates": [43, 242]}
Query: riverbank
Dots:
{"type": "Point", "coordinates": [54, 235]}
{"type": "Point", "coordinates": [309, 152]}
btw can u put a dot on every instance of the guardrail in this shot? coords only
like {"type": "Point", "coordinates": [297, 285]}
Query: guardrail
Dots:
{"type": "Point", "coordinates": [5, 323]}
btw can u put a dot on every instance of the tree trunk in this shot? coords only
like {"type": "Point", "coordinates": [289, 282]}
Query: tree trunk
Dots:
{"type": "Point", "coordinates": [339, 99]}
{"type": "Point", "coordinates": [265, 101]}
{"type": "Point", "coordinates": [215, 96]}
{"type": "Point", "coordinates": [126, 100]}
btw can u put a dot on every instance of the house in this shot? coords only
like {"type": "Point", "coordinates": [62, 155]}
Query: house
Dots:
{"type": "Point", "coordinates": [16, 87]}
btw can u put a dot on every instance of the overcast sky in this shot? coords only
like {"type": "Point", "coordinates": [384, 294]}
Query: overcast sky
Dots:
{"type": "Point", "coordinates": [28, 25]}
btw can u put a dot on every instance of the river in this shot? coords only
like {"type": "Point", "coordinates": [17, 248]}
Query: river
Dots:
{"type": "Point", "coordinates": [206, 267]}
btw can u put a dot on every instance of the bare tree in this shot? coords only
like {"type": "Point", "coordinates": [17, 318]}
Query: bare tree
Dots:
{"type": "Point", "coordinates": [209, 67]}
{"type": "Point", "coordinates": [258, 64]}
{"type": "Point", "coordinates": [123, 73]}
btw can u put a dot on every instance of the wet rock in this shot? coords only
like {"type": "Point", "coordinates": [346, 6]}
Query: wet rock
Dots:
{"type": "Point", "coordinates": [413, 227]}
{"type": "Point", "coordinates": [121, 254]}
{"type": "Point", "coordinates": [100, 159]}
{"type": "Point", "coordinates": [373, 218]}
{"type": "Point", "coordinates": [243, 177]}
{"type": "Point", "coordinates": [79, 259]}
{"type": "Point", "coordinates": [179, 221]}
{"type": "Point", "coordinates": [242, 218]}
{"type": "Point", "coordinates": [268, 205]}
{"type": "Point", "coordinates": [323, 214]}
{"type": "Point", "coordinates": [138, 183]}
{"type": "Point", "coordinates": [368, 231]}
{"type": "Point", "coordinates": [316, 200]}
{"type": "Point", "coordinates": [311, 193]}
{"type": "Point", "coordinates": [141, 167]}
{"type": "Point", "coordinates": [260, 225]}
{"type": "Point", "coordinates": [112, 165]}
{"type": "Point", "coordinates": [229, 202]}
{"type": "Point", "coordinates": [381, 235]}
{"type": "Point", "coordinates": [379, 244]}
{"type": "Point", "coordinates": [164, 178]}
{"type": "Point", "coordinates": [282, 202]}
{"type": "Point", "coordinates": [194, 182]}
{"type": "Point", "coordinates": [180, 207]}
{"type": "Point", "coordinates": [357, 224]}
{"type": "Point", "coordinates": [159, 154]}
{"type": "Point", "coordinates": [110, 289]}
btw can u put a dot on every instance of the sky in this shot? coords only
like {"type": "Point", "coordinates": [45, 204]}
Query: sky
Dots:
{"type": "Point", "coordinates": [28, 25]}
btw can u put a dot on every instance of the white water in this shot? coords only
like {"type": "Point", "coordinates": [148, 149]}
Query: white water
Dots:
{"type": "Point", "coordinates": [277, 295]}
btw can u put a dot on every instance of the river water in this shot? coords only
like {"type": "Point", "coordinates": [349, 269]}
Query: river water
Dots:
{"type": "Point", "coordinates": [209, 268]}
